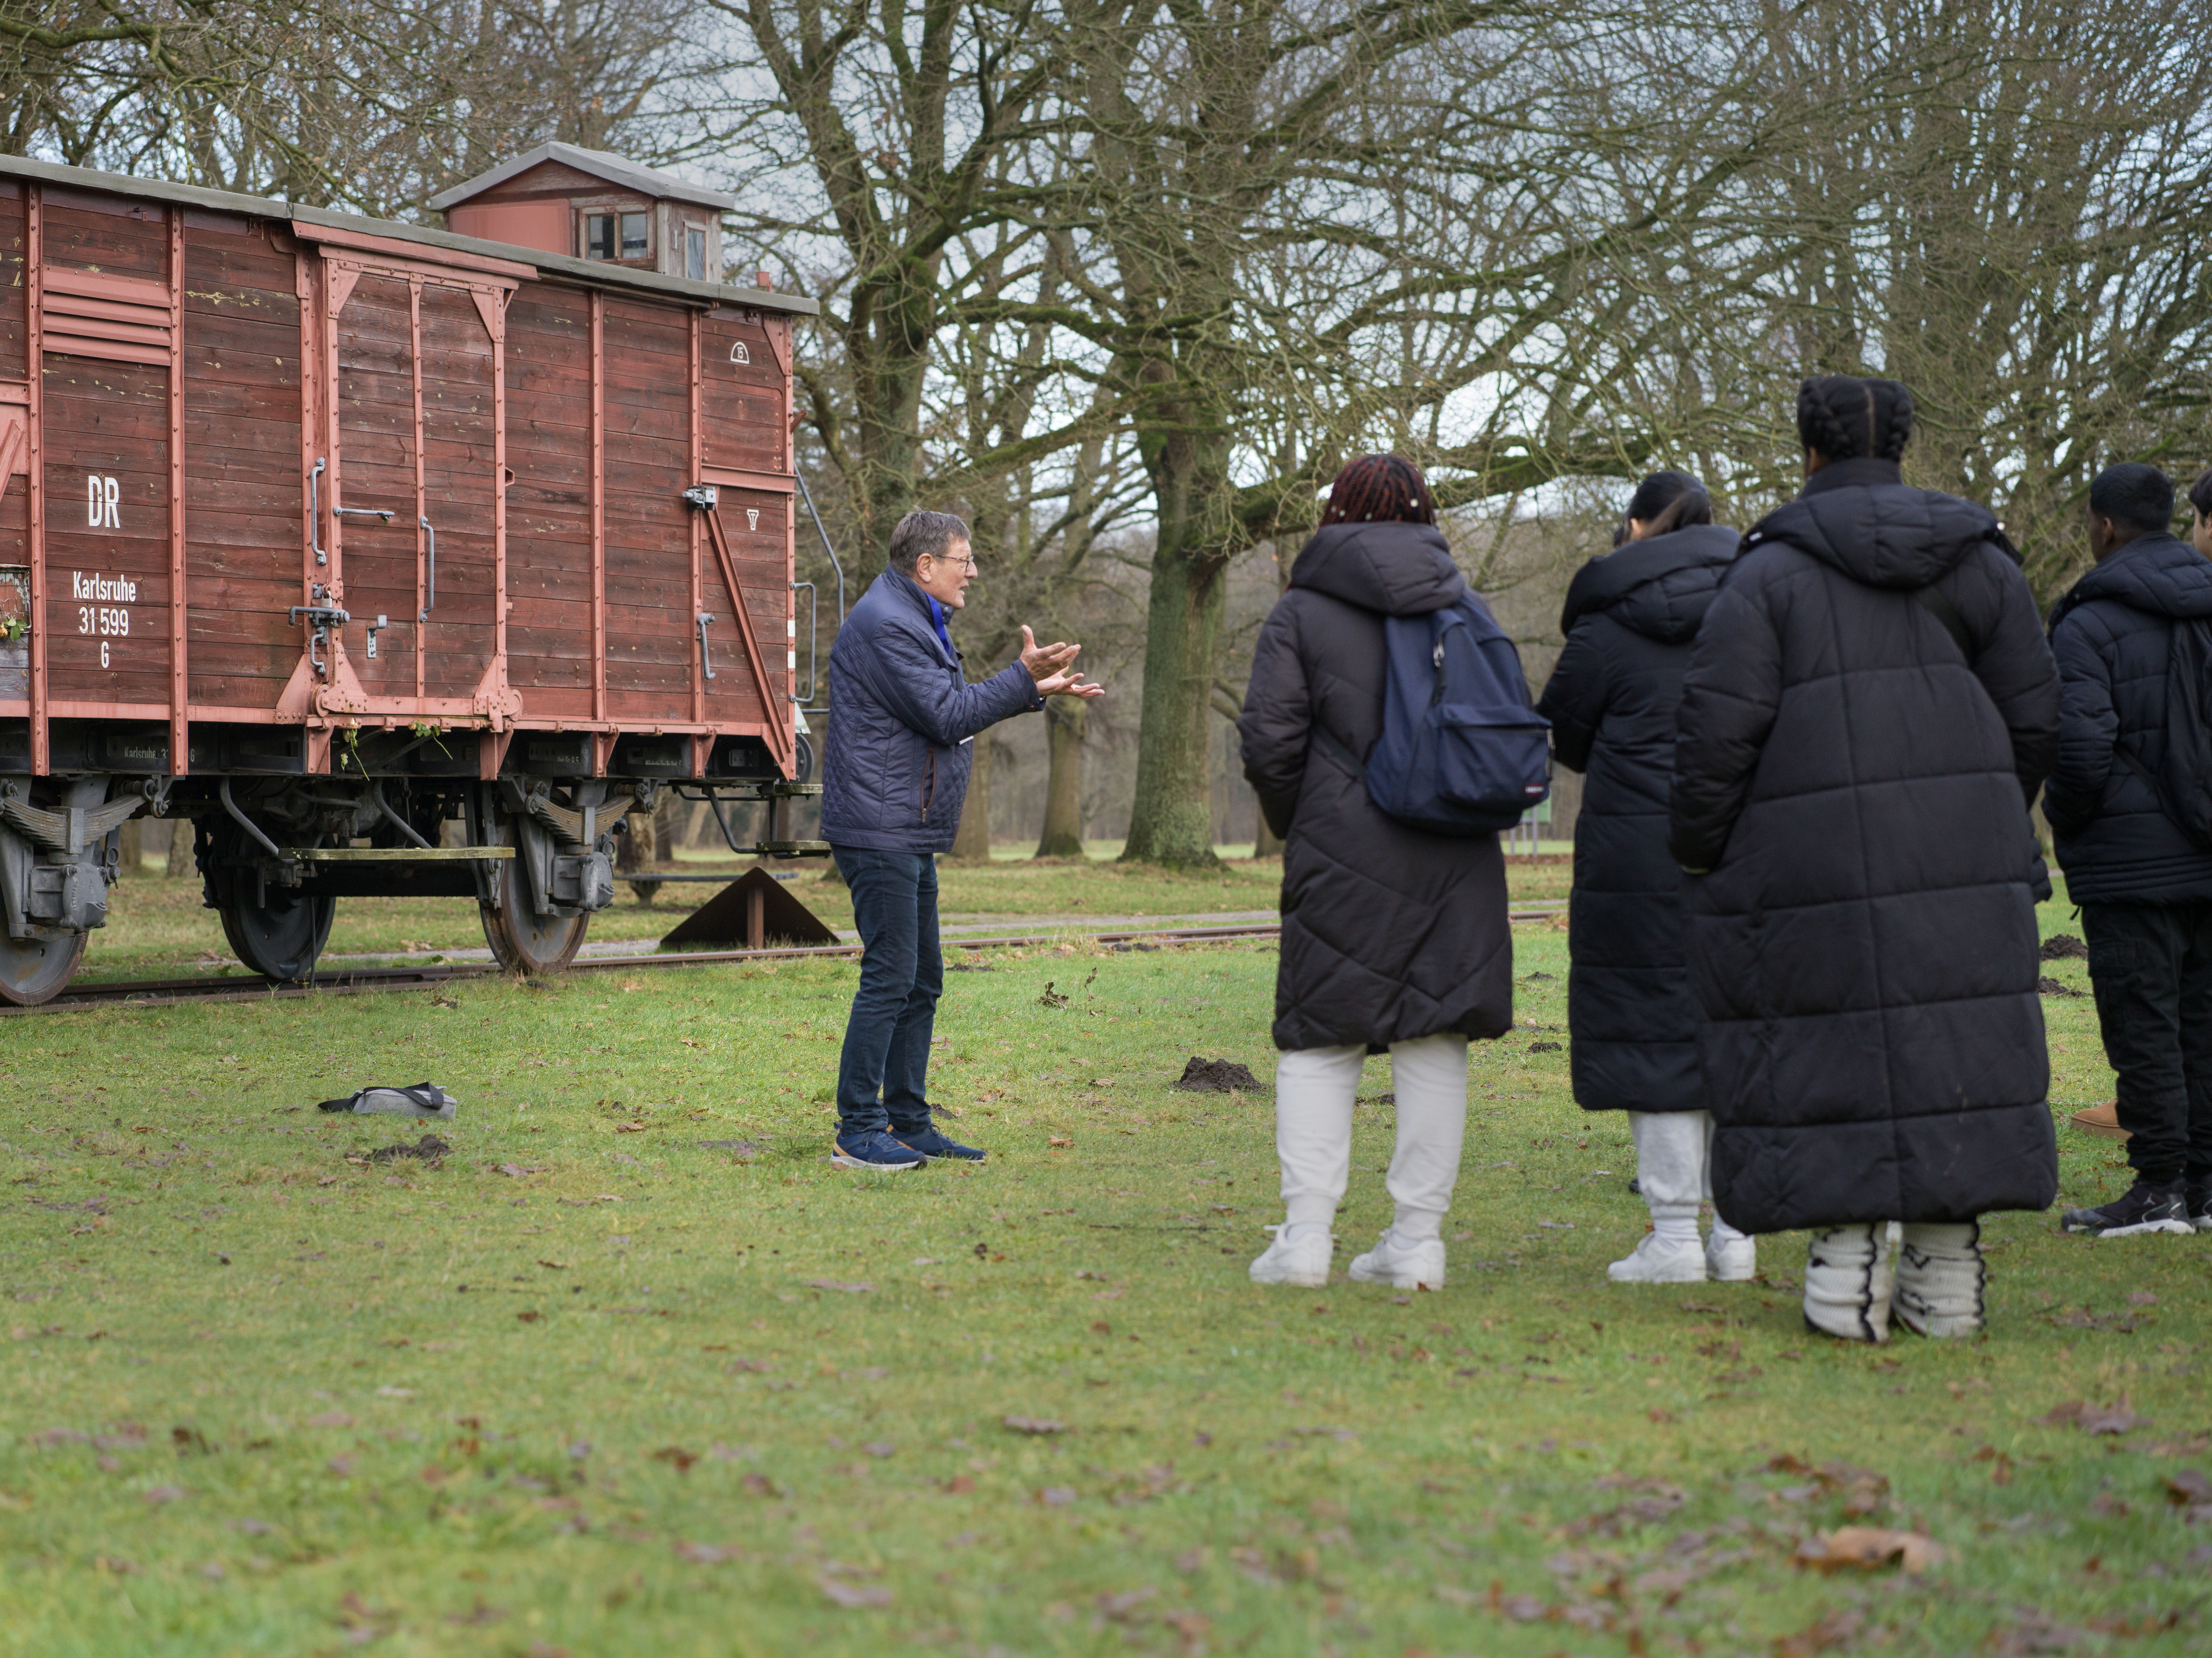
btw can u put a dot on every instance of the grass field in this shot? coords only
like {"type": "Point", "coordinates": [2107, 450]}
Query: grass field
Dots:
{"type": "Point", "coordinates": [630, 1370]}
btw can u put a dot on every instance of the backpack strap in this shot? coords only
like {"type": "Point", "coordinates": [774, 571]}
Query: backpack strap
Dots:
{"type": "Point", "coordinates": [1937, 604]}
{"type": "Point", "coordinates": [1339, 750]}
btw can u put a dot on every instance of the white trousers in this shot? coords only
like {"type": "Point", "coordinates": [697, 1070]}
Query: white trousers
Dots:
{"type": "Point", "coordinates": [1314, 1088]}
{"type": "Point", "coordinates": [1674, 1167]}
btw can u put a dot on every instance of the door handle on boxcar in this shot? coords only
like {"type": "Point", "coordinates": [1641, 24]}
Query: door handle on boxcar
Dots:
{"type": "Point", "coordinates": [363, 512]}
{"type": "Point", "coordinates": [707, 666]}
{"type": "Point", "coordinates": [321, 618]}
{"type": "Point", "coordinates": [315, 510]}
{"type": "Point", "coordinates": [430, 572]}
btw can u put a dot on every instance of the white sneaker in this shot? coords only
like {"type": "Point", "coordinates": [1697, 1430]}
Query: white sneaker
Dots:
{"type": "Point", "coordinates": [1660, 1260]}
{"type": "Point", "coordinates": [1401, 1264]}
{"type": "Point", "coordinates": [1731, 1260]}
{"type": "Point", "coordinates": [1303, 1260]}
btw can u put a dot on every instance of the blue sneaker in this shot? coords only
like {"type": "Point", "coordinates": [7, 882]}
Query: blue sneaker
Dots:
{"type": "Point", "coordinates": [871, 1149]}
{"type": "Point", "coordinates": [930, 1144]}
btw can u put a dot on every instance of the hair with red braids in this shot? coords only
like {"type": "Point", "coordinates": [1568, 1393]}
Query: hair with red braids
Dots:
{"type": "Point", "coordinates": [1379, 488]}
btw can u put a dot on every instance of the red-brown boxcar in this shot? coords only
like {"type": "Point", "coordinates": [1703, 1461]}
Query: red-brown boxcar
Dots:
{"type": "Point", "coordinates": [325, 531]}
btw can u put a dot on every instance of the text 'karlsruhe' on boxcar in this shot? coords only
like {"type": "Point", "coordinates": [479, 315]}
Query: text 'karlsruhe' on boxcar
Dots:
{"type": "Point", "coordinates": [349, 539]}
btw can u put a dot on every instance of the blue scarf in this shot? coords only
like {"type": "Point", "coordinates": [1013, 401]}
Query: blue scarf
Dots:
{"type": "Point", "coordinates": [937, 621]}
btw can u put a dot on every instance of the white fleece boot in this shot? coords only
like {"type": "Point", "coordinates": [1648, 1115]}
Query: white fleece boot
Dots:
{"type": "Point", "coordinates": [1298, 1255]}
{"type": "Point", "coordinates": [1940, 1275]}
{"type": "Point", "coordinates": [1847, 1277]}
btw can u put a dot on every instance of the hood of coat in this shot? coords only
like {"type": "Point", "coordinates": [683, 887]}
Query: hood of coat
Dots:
{"type": "Point", "coordinates": [2159, 576]}
{"type": "Point", "coordinates": [1659, 588]}
{"type": "Point", "coordinates": [1859, 517]}
{"type": "Point", "coordinates": [1398, 570]}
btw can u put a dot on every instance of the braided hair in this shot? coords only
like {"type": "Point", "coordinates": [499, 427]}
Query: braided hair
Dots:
{"type": "Point", "coordinates": [1843, 417]}
{"type": "Point", "coordinates": [1379, 488]}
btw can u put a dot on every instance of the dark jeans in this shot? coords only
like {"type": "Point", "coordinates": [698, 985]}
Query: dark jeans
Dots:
{"type": "Point", "coordinates": [883, 1078]}
{"type": "Point", "coordinates": [2151, 965]}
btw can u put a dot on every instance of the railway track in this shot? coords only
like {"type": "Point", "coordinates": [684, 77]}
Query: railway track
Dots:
{"type": "Point", "coordinates": [353, 981]}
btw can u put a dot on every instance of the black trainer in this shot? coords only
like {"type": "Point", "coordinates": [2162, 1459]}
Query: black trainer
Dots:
{"type": "Point", "coordinates": [2145, 1208]}
{"type": "Point", "coordinates": [2196, 1200]}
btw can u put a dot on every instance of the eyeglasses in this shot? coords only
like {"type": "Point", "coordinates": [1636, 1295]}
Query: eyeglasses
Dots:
{"type": "Point", "coordinates": [967, 563]}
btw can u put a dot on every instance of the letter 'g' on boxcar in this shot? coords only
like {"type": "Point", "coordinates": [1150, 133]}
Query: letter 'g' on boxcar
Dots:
{"type": "Point", "coordinates": [328, 533]}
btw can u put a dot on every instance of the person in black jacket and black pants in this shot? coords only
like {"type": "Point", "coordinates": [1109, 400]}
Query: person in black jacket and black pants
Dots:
{"type": "Point", "coordinates": [2144, 885]}
{"type": "Point", "coordinates": [1630, 618]}
{"type": "Point", "coordinates": [1869, 710]}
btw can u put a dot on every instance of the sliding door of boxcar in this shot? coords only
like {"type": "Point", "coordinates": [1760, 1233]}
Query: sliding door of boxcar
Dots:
{"type": "Point", "coordinates": [417, 438]}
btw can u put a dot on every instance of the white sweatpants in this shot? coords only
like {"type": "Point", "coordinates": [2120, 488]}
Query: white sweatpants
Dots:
{"type": "Point", "coordinates": [1673, 1167]}
{"type": "Point", "coordinates": [1314, 1088]}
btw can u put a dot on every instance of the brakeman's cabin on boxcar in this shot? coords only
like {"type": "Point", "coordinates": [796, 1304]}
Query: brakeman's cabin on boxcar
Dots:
{"type": "Point", "coordinates": [325, 531]}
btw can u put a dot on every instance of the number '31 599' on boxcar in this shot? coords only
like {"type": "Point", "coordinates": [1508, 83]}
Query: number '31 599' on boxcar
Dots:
{"type": "Point", "coordinates": [328, 532]}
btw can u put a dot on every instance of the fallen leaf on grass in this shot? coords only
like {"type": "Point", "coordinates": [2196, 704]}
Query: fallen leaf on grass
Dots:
{"type": "Point", "coordinates": [165, 1494]}
{"type": "Point", "coordinates": [759, 1485]}
{"type": "Point", "coordinates": [1058, 1142]}
{"type": "Point", "coordinates": [1867, 1548]}
{"type": "Point", "coordinates": [330, 1419]}
{"type": "Point", "coordinates": [677, 1457]}
{"type": "Point", "coordinates": [517, 1171]}
{"type": "Point", "coordinates": [1838, 1628]}
{"type": "Point", "coordinates": [557, 1266]}
{"type": "Point", "coordinates": [1033, 1425]}
{"type": "Point", "coordinates": [854, 1595]}
{"type": "Point", "coordinates": [629, 1128]}
{"type": "Point", "coordinates": [531, 1317]}
{"type": "Point", "coordinates": [704, 1554]}
{"type": "Point", "coordinates": [2095, 1418]}
{"type": "Point", "coordinates": [833, 1284]}
{"type": "Point", "coordinates": [959, 1485]}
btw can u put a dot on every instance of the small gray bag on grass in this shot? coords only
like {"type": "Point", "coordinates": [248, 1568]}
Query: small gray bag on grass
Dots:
{"type": "Point", "coordinates": [422, 1100]}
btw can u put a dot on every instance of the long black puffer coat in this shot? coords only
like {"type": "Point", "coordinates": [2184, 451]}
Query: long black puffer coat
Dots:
{"type": "Point", "coordinates": [1388, 934]}
{"type": "Point", "coordinates": [1629, 620]}
{"type": "Point", "coordinates": [1862, 940]}
{"type": "Point", "coordinates": [2111, 633]}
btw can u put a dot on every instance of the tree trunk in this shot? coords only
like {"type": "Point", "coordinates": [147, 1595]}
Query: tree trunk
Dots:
{"type": "Point", "coordinates": [1172, 819]}
{"type": "Point", "coordinates": [1266, 844]}
{"type": "Point", "coordinates": [130, 847]}
{"type": "Point", "coordinates": [971, 843]}
{"type": "Point", "coordinates": [636, 848]}
{"type": "Point", "coordinates": [1065, 720]}
{"type": "Point", "coordinates": [182, 836]}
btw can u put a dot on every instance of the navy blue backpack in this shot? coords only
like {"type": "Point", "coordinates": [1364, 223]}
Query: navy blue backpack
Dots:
{"type": "Point", "coordinates": [1462, 751]}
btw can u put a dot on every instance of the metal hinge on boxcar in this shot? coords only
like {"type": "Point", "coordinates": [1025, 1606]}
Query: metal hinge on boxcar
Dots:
{"type": "Point", "coordinates": [55, 865]}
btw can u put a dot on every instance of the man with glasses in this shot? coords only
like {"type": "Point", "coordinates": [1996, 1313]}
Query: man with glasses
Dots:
{"type": "Point", "coordinates": [902, 723]}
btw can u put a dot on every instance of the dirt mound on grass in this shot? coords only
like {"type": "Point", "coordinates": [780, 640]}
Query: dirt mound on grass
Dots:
{"type": "Point", "coordinates": [1216, 1077]}
{"type": "Point", "coordinates": [429, 1149]}
{"type": "Point", "coordinates": [2065, 947]}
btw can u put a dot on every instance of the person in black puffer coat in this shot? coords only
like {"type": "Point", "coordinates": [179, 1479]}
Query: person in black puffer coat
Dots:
{"type": "Point", "coordinates": [1392, 938]}
{"type": "Point", "coordinates": [1869, 710]}
{"type": "Point", "coordinates": [1629, 620]}
{"type": "Point", "coordinates": [2144, 886]}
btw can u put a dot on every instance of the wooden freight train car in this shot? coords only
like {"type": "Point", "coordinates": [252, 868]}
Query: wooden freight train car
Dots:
{"type": "Point", "coordinates": [325, 532]}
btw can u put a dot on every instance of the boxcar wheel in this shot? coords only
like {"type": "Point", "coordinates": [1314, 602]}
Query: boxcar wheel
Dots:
{"type": "Point", "coordinates": [279, 940]}
{"type": "Point", "coordinates": [522, 940]}
{"type": "Point", "coordinates": [35, 971]}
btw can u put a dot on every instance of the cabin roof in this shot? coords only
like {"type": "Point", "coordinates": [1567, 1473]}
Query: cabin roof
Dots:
{"type": "Point", "coordinates": [614, 169]}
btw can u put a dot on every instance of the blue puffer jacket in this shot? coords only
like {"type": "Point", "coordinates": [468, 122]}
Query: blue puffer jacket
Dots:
{"type": "Point", "coordinates": [902, 715]}
{"type": "Point", "coordinates": [2110, 634]}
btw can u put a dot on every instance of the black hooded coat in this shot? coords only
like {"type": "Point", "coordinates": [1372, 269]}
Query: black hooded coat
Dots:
{"type": "Point", "coordinates": [1389, 933]}
{"type": "Point", "coordinates": [1851, 793]}
{"type": "Point", "coordinates": [2111, 633]}
{"type": "Point", "coordinates": [1629, 620]}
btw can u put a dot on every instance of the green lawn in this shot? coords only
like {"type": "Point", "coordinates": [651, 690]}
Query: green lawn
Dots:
{"type": "Point", "coordinates": [597, 1385]}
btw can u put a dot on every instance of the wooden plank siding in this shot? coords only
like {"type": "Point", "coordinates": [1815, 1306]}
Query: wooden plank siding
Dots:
{"type": "Point", "coordinates": [197, 361]}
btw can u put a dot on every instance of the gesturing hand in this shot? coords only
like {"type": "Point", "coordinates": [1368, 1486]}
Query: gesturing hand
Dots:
{"type": "Point", "coordinates": [1052, 666]}
{"type": "Point", "coordinates": [1045, 659]}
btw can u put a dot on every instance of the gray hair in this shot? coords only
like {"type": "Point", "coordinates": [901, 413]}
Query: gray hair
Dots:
{"type": "Point", "coordinates": [918, 533]}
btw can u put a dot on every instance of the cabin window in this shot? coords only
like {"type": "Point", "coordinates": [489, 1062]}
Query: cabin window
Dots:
{"type": "Point", "coordinates": [598, 236]}
{"type": "Point", "coordinates": [637, 240]}
{"type": "Point", "coordinates": [695, 254]}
